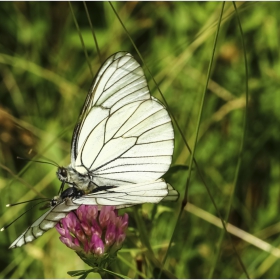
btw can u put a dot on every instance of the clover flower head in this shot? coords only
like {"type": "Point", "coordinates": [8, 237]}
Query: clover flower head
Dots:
{"type": "Point", "coordinates": [94, 235]}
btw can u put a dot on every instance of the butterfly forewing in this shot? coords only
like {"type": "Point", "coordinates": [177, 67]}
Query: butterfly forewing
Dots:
{"type": "Point", "coordinates": [132, 138]}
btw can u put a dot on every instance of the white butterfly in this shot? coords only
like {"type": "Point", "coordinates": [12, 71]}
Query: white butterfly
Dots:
{"type": "Point", "coordinates": [121, 146]}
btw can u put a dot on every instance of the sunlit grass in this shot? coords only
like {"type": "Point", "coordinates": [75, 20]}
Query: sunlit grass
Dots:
{"type": "Point", "coordinates": [45, 79]}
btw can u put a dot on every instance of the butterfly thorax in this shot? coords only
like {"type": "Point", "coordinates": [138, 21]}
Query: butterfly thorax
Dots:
{"type": "Point", "coordinates": [73, 178]}
{"type": "Point", "coordinates": [69, 193]}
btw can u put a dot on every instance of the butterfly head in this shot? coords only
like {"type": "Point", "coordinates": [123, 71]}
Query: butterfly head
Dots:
{"type": "Point", "coordinates": [62, 174]}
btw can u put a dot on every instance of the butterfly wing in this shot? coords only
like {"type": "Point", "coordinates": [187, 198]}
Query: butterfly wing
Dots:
{"type": "Point", "coordinates": [44, 223]}
{"type": "Point", "coordinates": [120, 197]}
{"type": "Point", "coordinates": [127, 195]}
{"type": "Point", "coordinates": [124, 136]}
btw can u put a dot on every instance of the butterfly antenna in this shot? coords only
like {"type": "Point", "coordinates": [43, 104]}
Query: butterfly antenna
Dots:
{"type": "Point", "coordinates": [49, 160]}
{"type": "Point", "coordinates": [39, 161]}
{"type": "Point", "coordinates": [5, 227]}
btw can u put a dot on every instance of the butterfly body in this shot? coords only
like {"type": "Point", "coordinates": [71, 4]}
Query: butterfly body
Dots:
{"type": "Point", "coordinates": [121, 146]}
{"type": "Point", "coordinates": [73, 178]}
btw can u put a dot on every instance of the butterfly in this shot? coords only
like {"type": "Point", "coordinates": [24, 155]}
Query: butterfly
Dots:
{"type": "Point", "coordinates": [121, 146]}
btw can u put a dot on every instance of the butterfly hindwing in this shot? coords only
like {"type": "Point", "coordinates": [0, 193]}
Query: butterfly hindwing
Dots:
{"type": "Point", "coordinates": [127, 195]}
{"type": "Point", "coordinates": [47, 221]}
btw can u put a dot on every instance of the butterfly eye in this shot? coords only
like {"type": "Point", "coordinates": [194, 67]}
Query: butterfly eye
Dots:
{"type": "Point", "coordinates": [63, 172]}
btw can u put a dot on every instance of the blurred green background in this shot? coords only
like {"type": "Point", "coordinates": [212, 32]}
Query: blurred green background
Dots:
{"type": "Point", "coordinates": [44, 81]}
